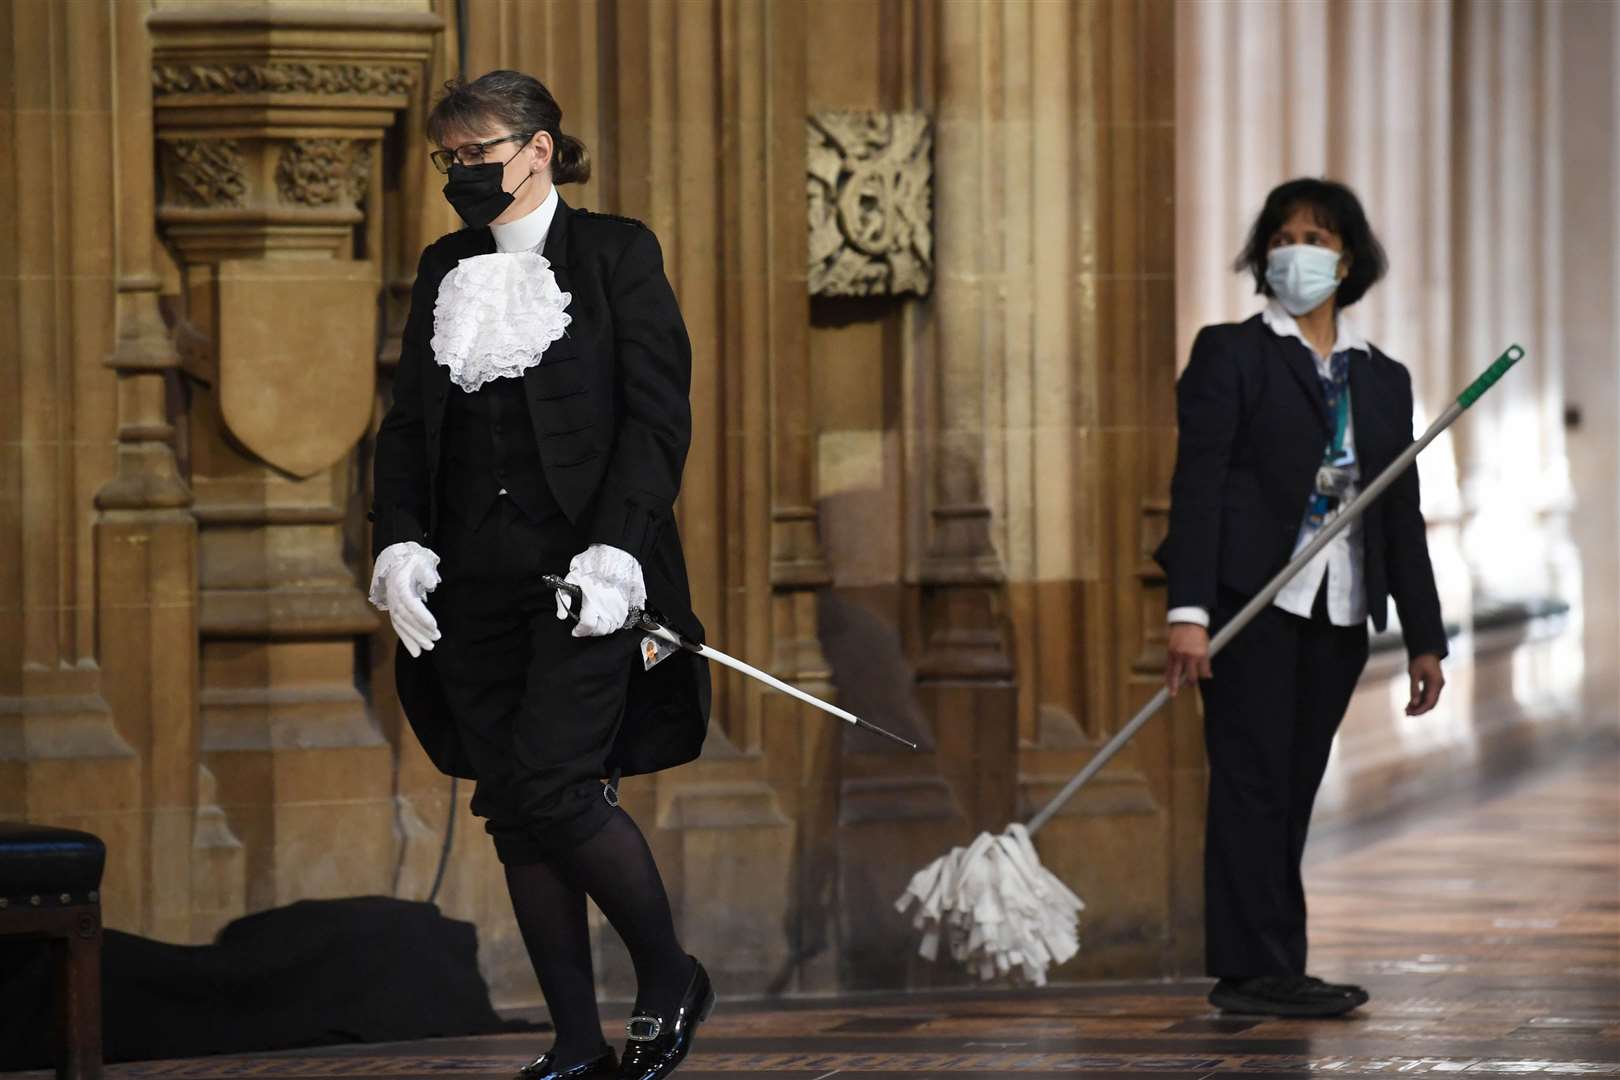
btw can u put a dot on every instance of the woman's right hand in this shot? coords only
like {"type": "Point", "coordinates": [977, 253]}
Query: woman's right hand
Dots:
{"type": "Point", "coordinates": [408, 587]}
{"type": "Point", "coordinates": [401, 579]}
{"type": "Point", "coordinates": [1189, 656]}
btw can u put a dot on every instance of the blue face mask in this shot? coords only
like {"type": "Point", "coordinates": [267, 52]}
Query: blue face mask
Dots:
{"type": "Point", "coordinates": [1302, 276]}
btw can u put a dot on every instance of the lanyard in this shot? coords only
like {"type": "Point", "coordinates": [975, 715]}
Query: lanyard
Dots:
{"type": "Point", "coordinates": [1338, 390]}
{"type": "Point", "coordinates": [1341, 421]}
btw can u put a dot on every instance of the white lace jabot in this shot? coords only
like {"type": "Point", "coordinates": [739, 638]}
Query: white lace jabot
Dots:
{"type": "Point", "coordinates": [495, 315]}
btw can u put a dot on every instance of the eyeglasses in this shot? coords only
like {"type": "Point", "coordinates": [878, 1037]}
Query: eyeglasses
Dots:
{"type": "Point", "coordinates": [472, 153]}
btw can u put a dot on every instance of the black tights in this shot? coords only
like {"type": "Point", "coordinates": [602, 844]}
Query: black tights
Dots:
{"type": "Point", "coordinates": [616, 869]}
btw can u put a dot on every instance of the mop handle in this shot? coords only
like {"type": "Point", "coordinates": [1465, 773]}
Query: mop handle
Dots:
{"type": "Point", "coordinates": [1265, 596]}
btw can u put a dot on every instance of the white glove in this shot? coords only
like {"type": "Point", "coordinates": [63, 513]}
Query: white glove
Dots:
{"type": "Point", "coordinates": [611, 582]}
{"type": "Point", "coordinates": [400, 581]}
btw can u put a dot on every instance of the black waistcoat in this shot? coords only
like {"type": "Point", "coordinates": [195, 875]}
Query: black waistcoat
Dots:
{"type": "Point", "coordinates": [489, 445]}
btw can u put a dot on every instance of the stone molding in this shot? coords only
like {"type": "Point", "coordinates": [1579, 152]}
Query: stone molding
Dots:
{"type": "Point", "coordinates": [870, 177]}
{"type": "Point", "coordinates": [365, 79]}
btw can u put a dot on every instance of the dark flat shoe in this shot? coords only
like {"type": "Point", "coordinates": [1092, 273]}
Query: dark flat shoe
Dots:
{"type": "Point", "coordinates": [544, 1067]}
{"type": "Point", "coordinates": [1349, 990]}
{"type": "Point", "coordinates": [659, 1044]}
{"type": "Point", "coordinates": [1281, 995]}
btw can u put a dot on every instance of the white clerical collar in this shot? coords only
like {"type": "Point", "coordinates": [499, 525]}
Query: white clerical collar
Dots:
{"type": "Point", "coordinates": [1285, 325]}
{"type": "Point", "coordinates": [527, 233]}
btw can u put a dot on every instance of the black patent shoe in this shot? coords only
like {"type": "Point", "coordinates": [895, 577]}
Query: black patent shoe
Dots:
{"type": "Point", "coordinates": [1282, 995]}
{"type": "Point", "coordinates": [544, 1067]}
{"type": "Point", "coordinates": [658, 1044]}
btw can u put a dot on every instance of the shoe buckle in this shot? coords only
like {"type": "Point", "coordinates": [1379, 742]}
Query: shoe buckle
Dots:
{"type": "Point", "coordinates": [644, 1028]}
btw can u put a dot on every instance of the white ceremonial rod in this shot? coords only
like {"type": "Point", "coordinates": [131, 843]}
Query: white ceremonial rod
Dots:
{"type": "Point", "coordinates": [1265, 596]}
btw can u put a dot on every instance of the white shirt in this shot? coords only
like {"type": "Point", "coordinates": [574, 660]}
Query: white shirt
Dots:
{"type": "Point", "coordinates": [1343, 560]}
{"type": "Point", "coordinates": [527, 233]}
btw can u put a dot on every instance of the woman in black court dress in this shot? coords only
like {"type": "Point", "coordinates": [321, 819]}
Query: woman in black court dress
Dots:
{"type": "Point", "coordinates": [540, 424]}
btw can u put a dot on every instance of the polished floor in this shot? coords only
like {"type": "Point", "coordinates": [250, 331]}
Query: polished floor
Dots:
{"type": "Point", "coordinates": [1488, 931]}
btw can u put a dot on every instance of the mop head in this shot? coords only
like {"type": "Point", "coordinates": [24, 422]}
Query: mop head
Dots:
{"type": "Point", "coordinates": [998, 910]}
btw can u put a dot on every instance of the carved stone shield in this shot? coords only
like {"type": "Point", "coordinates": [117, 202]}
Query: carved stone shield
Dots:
{"type": "Point", "coordinates": [297, 358]}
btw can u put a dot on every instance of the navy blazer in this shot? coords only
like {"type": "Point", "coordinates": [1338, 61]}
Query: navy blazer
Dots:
{"type": "Point", "coordinates": [612, 417]}
{"type": "Point", "coordinates": [1253, 425]}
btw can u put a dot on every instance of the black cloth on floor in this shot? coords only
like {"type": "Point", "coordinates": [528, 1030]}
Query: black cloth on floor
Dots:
{"type": "Point", "coordinates": [1280, 691]}
{"type": "Point", "coordinates": [314, 973]}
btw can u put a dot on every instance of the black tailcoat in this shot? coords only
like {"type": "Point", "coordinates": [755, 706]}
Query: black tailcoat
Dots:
{"type": "Point", "coordinates": [1253, 425]}
{"type": "Point", "coordinates": [611, 412]}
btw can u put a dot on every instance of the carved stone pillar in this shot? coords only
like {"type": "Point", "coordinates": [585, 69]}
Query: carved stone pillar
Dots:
{"type": "Point", "coordinates": [269, 123]}
{"type": "Point", "coordinates": [955, 627]}
{"type": "Point", "coordinates": [798, 746]}
{"type": "Point", "coordinates": [146, 537]}
{"type": "Point", "coordinates": [691, 78]}
{"type": "Point", "coordinates": [63, 757]}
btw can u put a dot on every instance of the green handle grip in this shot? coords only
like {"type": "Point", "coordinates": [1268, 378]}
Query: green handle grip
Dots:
{"type": "Point", "coordinates": [1477, 388]}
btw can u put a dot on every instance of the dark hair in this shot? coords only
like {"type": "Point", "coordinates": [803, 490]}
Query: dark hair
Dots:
{"type": "Point", "coordinates": [1334, 207]}
{"type": "Point", "coordinates": [517, 101]}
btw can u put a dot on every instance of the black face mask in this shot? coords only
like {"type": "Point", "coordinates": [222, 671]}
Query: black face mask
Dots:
{"type": "Point", "coordinates": [476, 191]}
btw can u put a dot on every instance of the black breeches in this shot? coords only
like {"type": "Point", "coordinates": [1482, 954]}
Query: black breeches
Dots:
{"type": "Point", "coordinates": [536, 708]}
{"type": "Point", "coordinates": [1280, 691]}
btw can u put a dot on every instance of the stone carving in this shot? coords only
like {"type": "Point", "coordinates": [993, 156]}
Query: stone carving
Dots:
{"type": "Point", "coordinates": [205, 172]}
{"type": "Point", "coordinates": [871, 193]}
{"type": "Point", "coordinates": [170, 79]}
{"type": "Point", "coordinates": [320, 172]}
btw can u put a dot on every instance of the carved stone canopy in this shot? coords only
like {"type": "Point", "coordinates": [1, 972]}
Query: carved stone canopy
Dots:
{"type": "Point", "coordinates": [871, 195]}
{"type": "Point", "coordinates": [268, 117]}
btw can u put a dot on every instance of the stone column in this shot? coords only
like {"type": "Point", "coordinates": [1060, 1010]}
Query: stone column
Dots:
{"type": "Point", "coordinates": [698, 90]}
{"type": "Point", "coordinates": [965, 673]}
{"type": "Point", "coordinates": [63, 757]}
{"type": "Point", "coordinates": [655, 90]}
{"type": "Point", "coordinates": [269, 121]}
{"type": "Point", "coordinates": [938, 59]}
{"type": "Point", "coordinates": [146, 537]}
{"type": "Point", "coordinates": [1509, 187]}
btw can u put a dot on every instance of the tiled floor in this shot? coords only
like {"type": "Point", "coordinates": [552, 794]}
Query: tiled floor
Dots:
{"type": "Point", "coordinates": [1489, 935]}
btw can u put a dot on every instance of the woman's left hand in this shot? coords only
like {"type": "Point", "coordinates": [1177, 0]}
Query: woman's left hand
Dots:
{"type": "Point", "coordinates": [1427, 681]}
{"type": "Point", "coordinates": [612, 584]}
{"type": "Point", "coordinates": [604, 610]}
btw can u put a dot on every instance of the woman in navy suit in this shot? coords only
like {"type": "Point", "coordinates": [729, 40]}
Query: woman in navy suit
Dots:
{"type": "Point", "coordinates": [1282, 419]}
{"type": "Point", "coordinates": [539, 425]}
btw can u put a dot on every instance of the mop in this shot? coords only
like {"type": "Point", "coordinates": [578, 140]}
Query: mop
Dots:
{"type": "Point", "coordinates": [993, 906]}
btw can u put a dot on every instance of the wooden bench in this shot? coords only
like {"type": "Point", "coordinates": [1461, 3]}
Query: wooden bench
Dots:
{"type": "Point", "coordinates": [50, 882]}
